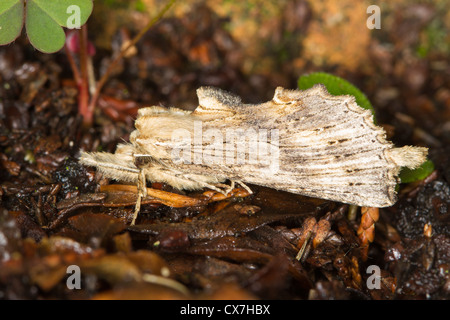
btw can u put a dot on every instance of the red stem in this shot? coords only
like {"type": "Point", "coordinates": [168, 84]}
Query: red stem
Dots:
{"type": "Point", "coordinates": [73, 65]}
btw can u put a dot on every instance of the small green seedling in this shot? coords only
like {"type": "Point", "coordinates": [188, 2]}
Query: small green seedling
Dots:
{"type": "Point", "coordinates": [338, 86]}
{"type": "Point", "coordinates": [43, 19]}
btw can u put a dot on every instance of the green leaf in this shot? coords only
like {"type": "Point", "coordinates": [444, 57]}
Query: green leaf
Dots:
{"type": "Point", "coordinates": [11, 20]}
{"type": "Point", "coordinates": [44, 20]}
{"type": "Point", "coordinates": [409, 175]}
{"type": "Point", "coordinates": [335, 86]}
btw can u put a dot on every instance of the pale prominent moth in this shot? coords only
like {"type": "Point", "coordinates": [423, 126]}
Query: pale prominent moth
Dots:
{"type": "Point", "coordinates": [305, 142]}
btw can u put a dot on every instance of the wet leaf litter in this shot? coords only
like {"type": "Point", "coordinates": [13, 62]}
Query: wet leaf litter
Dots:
{"type": "Point", "coordinates": [56, 213]}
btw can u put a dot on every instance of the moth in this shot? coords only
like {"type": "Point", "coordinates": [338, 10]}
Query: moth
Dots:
{"type": "Point", "coordinates": [305, 142]}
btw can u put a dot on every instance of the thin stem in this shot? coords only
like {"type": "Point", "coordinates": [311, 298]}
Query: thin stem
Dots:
{"type": "Point", "coordinates": [106, 75]}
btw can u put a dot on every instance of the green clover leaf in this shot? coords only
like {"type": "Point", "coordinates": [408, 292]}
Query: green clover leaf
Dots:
{"type": "Point", "coordinates": [44, 21]}
{"type": "Point", "coordinates": [338, 86]}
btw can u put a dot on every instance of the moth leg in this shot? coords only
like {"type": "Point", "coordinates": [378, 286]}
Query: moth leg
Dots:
{"type": "Point", "coordinates": [218, 187]}
{"type": "Point", "coordinates": [243, 185]}
{"type": "Point", "coordinates": [228, 189]}
{"type": "Point", "coordinates": [231, 187]}
{"type": "Point", "coordinates": [142, 192]}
